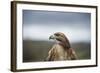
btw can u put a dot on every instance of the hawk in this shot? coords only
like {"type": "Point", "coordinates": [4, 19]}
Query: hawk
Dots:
{"type": "Point", "coordinates": [61, 50]}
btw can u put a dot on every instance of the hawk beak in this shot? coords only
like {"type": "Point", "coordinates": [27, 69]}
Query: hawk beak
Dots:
{"type": "Point", "coordinates": [52, 37]}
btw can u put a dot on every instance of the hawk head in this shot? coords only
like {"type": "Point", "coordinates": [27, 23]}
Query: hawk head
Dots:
{"type": "Point", "coordinates": [61, 39]}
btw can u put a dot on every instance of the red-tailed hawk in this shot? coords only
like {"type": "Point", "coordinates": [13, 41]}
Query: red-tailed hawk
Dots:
{"type": "Point", "coordinates": [61, 50]}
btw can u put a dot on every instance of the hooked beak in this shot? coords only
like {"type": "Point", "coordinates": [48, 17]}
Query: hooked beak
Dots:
{"type": "Point", "coordinates": [52, 37]}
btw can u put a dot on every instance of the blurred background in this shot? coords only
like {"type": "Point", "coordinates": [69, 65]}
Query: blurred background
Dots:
{"type": "Point", "coordinates": [39, 25]}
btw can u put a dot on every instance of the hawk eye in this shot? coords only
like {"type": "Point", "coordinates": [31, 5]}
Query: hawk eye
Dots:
{"type": "Point", "coordinates": [57, 34]}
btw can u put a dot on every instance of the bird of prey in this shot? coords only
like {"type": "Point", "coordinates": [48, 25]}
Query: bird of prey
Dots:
{"type": "Point", "coordinates": [61, 50]}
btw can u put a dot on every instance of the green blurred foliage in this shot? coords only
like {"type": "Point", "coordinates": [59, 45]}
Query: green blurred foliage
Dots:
{"type": "Point", "coordinates": [34, 51]}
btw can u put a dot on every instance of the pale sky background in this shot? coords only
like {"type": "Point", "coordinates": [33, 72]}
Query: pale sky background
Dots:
{"type": "Point", "coordinates": [39, 25]}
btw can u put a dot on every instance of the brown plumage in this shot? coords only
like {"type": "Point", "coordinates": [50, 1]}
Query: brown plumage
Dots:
{"type": "Point", "coordinates": [61, 50]}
